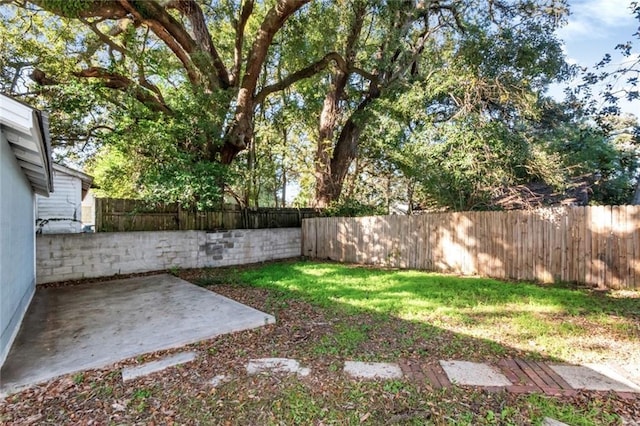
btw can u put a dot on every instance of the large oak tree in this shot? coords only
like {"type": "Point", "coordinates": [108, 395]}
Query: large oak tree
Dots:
{"type": "Point", "coordinates": [226, 59]}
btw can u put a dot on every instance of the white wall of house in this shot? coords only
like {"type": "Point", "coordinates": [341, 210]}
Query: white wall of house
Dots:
{"type": "Point", "coordinates": [89, 209]}
{"type": "Point", "coordinates": [61, 212]}
{"type": "Point", "coordinates": [17, 250]}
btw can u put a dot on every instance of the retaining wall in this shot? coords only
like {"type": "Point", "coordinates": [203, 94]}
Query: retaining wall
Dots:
{"type": "Point", "coordinates": [75, 256]}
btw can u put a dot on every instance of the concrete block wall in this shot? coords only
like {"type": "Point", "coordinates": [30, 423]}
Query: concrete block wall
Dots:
{"type": "Point", "coordinates": [63, 257]}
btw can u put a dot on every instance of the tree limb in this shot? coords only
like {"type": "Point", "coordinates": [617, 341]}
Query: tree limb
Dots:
{"type": "Point", "coordinates": [41, 78]}
{"type": "Point", "coordinates": [120, 82]}
{"type": "Point", "coordinates": [169, 31]}
{"type": "Point", "coordinates": [274, 20]}
{"type": "Point", "coordinates": [310, 71]}
{"type": "Point", "coordinates": [247, 9]}
{"type": "Point", "coordinates": [240, 132]}
{"type": "Point", "coordinates": [85, 9]}
{"type": "Point", "coordinates": [103, 37]}
{"type": "Point", "coordinates": [202, 37]}
{"type": "Point", "coordinates": [111, 81]}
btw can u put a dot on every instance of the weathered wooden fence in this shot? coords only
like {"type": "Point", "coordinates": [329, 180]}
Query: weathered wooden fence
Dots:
{"type": "Point", "coordinates": [117, 215]}
{"type": "Point", "coordinates": [597, 245]}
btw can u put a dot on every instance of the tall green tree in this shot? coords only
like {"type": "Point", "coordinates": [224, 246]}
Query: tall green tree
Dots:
{"type": "Point", "coordinates": [186, 86]}
{"type": "Point", "coordinates": [187, 69]}
{"type": "Point", "coordinates": [389, 46]}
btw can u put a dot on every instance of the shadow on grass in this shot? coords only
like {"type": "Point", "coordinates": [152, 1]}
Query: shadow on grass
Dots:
{"type": "Point", "coordinates": [541, 321]}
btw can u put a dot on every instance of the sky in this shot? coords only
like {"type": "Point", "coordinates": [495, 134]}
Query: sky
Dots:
{"type": "Point", "coordinates": [594, 28]}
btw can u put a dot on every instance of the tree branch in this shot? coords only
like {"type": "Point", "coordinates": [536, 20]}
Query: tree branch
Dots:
{"type": "Point", "coordinates": [274, 20]}
{"type": "Point", "coordinates": [85, 9]}
{"type": "Point", "coordinates": [41, 78]}
{"type": "Point", "coordinates": [240, 131]}
{"type": "Point", "coordinates": [247, 9]}
{"type": "Point", "coordinates": [310, 71]}
{"type": "Point", "coordinates": [306, 72]}
{"type": "Point", "coordinates": [202, 37]}
{"type": "Point", "coordinates": [118, 82]}
{"type": "Point", "coordinates": [103, 37]}
{"type": "Point", "coordinates": [169, 31]}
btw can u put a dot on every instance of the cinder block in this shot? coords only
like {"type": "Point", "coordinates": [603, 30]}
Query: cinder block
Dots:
{"type": "Point", "coordinates": [79, 269]}
{"type": "Point", "coordinates": [70, 276]}
{"type": "Point", "coordinates": [61, 270]}
{"type": "Point", "coordinates": [50, 263]}
{"type": "Point", "coordinates": [42, 272]}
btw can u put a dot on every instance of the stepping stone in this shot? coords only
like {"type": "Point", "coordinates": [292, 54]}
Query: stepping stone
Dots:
{"type": "Point", "coordinates": [594, 377]}
{"type": "Point", "coordinates": [548, 421]}
{"type": "Point", "coordinates": [276, 365]}
{"type": "Point", "coordinates": [220, 379]}
{"type": "Point", "coordinates": [473, 374]}
{"type": "Point", "coordinates": [130, 373]}
{"type": "Point", "coordinates": [372, 370]}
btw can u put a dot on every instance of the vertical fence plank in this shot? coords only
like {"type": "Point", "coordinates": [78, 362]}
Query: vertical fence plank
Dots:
{"type": "Point", "coordinates": [579, 214]}
{"type": "Point", "coordinates": [615, 254]}
{"type": "Point", "coordinates": [625, 232]}
{"type": "Point", "coordinates": [633, 246]}
{"type": "Point", "coordinates": [599, 244]}
{"type": "Point", "coordinates": [631, 226]}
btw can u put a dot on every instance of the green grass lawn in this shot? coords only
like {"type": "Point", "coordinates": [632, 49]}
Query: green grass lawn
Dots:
{"type": "Point", "coordinates": [574, 325]}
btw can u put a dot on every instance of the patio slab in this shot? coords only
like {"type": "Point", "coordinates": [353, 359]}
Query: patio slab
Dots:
{"type": "Point", "coordinates": [76, 328]}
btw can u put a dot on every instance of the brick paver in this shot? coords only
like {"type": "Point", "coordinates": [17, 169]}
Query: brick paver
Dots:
{"type": "Point", "coordinates": [525, 376]}
{"type": "Point", "coordinates": [430, 374]}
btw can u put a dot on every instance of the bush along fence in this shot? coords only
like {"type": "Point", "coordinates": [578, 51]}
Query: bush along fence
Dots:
{"type": "Point", "coordinates": [597, 245]}
{"type": "Point", "coordinates": [118, 215]}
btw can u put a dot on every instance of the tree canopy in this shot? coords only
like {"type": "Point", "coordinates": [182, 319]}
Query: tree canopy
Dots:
{"type": "Point", "coordinates": [355, 100]}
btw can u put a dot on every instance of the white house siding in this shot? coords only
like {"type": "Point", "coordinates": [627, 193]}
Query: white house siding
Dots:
{"type": "Point", "coordinates": [17, 251]}
{"type": "Point", "coordinates": [61, 213]}
{"type": "Point", "coordinates": [89, 209]}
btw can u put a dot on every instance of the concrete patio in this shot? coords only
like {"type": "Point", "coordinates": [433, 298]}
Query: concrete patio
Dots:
{"type": "Point", "coordinates": [75, 328]}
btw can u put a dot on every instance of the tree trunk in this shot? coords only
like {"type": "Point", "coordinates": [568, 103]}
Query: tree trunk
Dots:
{"type": "Point", "coordinates": [328, 122]}
{"type": "Point", "coordinates": [240, 133]}
{"type": "Point", "coordinates": [326, 190]}
{"type": "Point", "coordinates": [344, 153]}
{"type": "Point", "coordinates": [285, 139]}
{"type": "Point", "coordinates": [329, 183]}
{"type": "Point", "coordinates": [410, 190]}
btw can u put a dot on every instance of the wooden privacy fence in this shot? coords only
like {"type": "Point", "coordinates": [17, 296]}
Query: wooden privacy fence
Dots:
{"type": "Point", "coordinates": [134, 215]}
{"type": "Point", "coordinates": [597, 245]}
